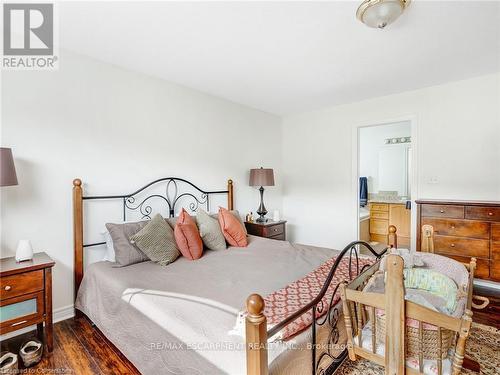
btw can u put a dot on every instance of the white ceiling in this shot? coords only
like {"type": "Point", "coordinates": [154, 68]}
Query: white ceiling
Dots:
{"type": "Point", "coordinates": [287, 57]}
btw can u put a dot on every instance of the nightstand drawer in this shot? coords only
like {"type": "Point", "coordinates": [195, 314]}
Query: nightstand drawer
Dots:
{"type": "Point", "coordinates": [280, 237]}
{"type": "Point", "coordinates": [274, 230]}
{"type": "Point", "coordinates": [21, 311]}
{"type": "Point", "coordinates": [23, 283]}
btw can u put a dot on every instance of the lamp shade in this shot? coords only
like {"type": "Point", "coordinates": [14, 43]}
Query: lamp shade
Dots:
{"type": "Point", "coordinates": [261, 177]}
{"type": "Point", "coordinates": [8, 175]}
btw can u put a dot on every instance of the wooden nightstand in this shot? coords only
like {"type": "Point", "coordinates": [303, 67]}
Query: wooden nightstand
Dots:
{"type": "Point", "coordinates": [26, 295]}
{"type": "Point", "coordinates": [270, 229]}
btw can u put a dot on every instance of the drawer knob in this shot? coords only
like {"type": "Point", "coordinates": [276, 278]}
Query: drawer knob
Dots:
{"type": "Point", "coordinates": [275, 229]}
{"type": "Point", "coordinates": [490, 213]}
{"type": "Point", "coordinates": [452, 227]}
{"type": "Point", "coordinates": [7, 287]}
{"type": "Point", "coordinates": [452, 245]}
{"type": "Point", "coordinates": [442, 211]}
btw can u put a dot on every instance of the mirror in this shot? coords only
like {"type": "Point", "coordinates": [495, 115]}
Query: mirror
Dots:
{"type": "Point", "coordinates": [385, 160]}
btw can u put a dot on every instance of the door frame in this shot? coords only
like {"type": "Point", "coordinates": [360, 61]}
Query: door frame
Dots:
{"type": "Point", "coordinates": [414, 170]}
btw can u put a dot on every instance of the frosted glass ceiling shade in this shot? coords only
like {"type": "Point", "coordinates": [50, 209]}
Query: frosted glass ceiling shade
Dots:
{"type": "Point", "coordinates": [380, 13]}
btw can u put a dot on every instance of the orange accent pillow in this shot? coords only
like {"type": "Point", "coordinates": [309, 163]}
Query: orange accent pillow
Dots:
{"type": "Point", "coordinates": [187, 236]}
{"type": "Point", "coordinates": [232, 229]}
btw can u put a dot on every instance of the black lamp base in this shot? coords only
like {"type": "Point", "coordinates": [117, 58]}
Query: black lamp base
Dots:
{"type": "Point", "coordinates": [262, 209]}
{"type": "Point", "coordinates": [262, 219]}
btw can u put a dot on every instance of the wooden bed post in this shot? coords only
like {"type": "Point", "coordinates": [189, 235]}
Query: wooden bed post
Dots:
{"type": "Point", "coordinates": [230, 194]}
{"type": "Point", "coordinates": [393, 237]}
{"type": "Point", "coordinates": [256, 336]}
{"type": "Point", "coordinates": [78, 232]}
{"type": "Point", "coordinates": [395, 317]}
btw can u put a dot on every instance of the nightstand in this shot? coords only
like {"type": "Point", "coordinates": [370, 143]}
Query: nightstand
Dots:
{"type": "Point", "coordinates": [26, 295]}
{"type": "Point", "coordinates": [270, 229]}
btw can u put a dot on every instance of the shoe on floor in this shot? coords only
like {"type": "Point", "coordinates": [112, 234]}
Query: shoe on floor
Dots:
{"type": "Point", "coordinates": [31, 352]}
{"type": "Point", "coordinates": [8, 363]}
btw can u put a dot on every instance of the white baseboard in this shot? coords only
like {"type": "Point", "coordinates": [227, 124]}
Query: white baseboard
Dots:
{"type": "Point", "coordinates": [62, 313]}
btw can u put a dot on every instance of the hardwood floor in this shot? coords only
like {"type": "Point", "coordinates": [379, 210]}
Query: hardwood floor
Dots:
{"type": "Point", "coordinates": [80, 348]}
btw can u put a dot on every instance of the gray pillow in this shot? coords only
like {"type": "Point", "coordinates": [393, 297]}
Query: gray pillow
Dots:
{"type": "Point", "coordinates": [210, 231]}
{"type": "Point", "coordinates": [236, 214]}
{"type": "Point", "coordinates": [125, 252]}
{"type": "Point", "coordinates": [156, 240]}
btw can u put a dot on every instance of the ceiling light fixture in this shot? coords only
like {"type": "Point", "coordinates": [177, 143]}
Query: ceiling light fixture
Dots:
{"type": "Point", "coordinates": [380, 13]}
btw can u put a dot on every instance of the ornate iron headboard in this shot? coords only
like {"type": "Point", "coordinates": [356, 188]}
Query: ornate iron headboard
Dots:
{"type": "Point", "coordinates": [171, 196]}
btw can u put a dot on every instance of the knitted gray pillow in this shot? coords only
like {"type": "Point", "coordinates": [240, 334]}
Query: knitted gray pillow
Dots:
{"type": "Point", "coordinates": [125, 252]}
{"type": "Point", "coordinates": [157, 241]}
{"type": "Point", "coordinates": [210, 231]}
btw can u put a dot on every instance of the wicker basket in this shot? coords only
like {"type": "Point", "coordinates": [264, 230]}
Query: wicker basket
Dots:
{"type": "Point", "coordinates": [429, 342]}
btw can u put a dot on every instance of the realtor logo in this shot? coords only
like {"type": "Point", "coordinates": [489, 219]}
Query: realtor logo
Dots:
{"type": "Point", "coordinates": [28, 36]}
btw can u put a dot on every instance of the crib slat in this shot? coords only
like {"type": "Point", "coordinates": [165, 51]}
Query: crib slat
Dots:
{"type": "Point", "coordinates": [352, 308]}
{"type": "Point", "coordinates": [440, 351]}
{"type": "Point", "coordinates": [374, 328]}
{"type": "Point", "coordinates": [420, 346]}
{"type": "Point", "coordinates": [359, 308]}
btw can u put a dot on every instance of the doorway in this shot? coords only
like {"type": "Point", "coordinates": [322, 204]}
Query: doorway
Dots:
{"type": "Point", "coordinates": [385, 182]}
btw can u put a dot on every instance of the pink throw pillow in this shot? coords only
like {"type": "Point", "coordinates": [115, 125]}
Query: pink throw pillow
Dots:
{"type": "Point", "coordinates": [232, 229]}
{"type": "Point", "coordinates": [187, 236]}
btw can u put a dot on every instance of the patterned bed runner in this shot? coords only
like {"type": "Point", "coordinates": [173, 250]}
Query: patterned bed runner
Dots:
{"type": "Point", "coordinates": [284, 302]}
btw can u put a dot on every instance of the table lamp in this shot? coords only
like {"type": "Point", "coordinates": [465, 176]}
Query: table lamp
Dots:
{"type": "Point", "coordinates": [261, 177]}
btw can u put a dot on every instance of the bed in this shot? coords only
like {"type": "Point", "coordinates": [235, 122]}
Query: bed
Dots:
{"type": "Point", "coordinates": [180, 319]}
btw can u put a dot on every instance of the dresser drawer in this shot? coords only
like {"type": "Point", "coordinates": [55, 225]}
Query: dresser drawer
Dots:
{"type": "Point", "coordinates": [379, 207]}
{"type": "Point", "coordinates": [274, 230]}
{"type": "Point", "coordinates": [378, 226]}
{"type": "Point", "coordinates": [20, 284]}
{"type": "Point", "coordinates": [495, 261]}
{"type": "Point", "coordinates": [495, 232]}
{"type": "Point", "coordinates": [379, 215]}
{"type": "Point", "coordinates": [461, 246]}
{"type": "Point", "coordinates": [482, 265]}
{"type": "Point", "coordinates": [444, 210]}
{"type": "Point", "coordinates": [482, 213]}
{"type": "Point", "coordinates": [459, 228]}
{"type": "Point", "coordinates": [21, 311]}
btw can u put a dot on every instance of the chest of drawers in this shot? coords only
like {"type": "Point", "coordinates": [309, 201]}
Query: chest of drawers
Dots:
{"type": "Point", "coordinates": [464, 229]}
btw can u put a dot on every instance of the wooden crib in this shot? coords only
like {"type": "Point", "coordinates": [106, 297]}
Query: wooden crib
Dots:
{"type": "Point", "coordinates": [358, 306]}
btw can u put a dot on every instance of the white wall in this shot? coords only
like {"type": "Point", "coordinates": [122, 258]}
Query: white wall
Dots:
{"type": "Point", "coordinates": [458, 137]}
{"type": "Point", "coordinates": [371, 143]}
{"type": "Point", "coordinates": [117, 130]}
